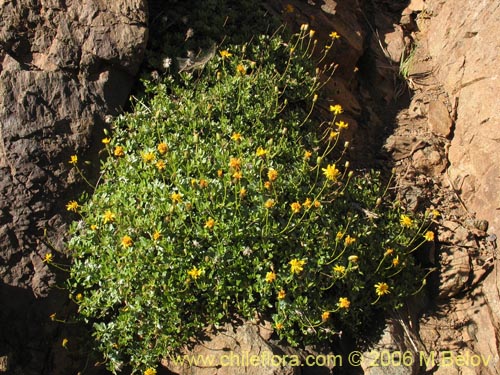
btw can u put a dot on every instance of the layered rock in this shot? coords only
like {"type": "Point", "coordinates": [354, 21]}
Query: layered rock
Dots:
{"type": "Point", "coordinates": [64, 66]}
{"type": "Point", "coordinates": [465, 54]}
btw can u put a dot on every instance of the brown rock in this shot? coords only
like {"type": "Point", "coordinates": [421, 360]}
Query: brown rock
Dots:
{"type": "Point", "coordinates": [345, 19]}
{"type": "Point", "coordinates": [266, 330]}
{"type": "Point", "coordinates": [465, 56]}
{"type": "Point", "coordinates": [416, 5]}
{"type": "Point", "coordinates": [455, 272]}
{"type": "Point", "coordinates": [439, 119]}
{"type": "Point", "coordinates": [429, 160]}
{"type": "Point", "coordinates": [229, 352]}
{"type": "Point", "coordinates": [394, 43]}
{"type": "Point", "coordinates": [64, 65]}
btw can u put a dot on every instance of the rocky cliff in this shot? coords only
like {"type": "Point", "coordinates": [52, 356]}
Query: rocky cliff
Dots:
{"type": "Point", "coordinates": [464, 52]}
{"type": "Point", "coordinates": [64, 66]}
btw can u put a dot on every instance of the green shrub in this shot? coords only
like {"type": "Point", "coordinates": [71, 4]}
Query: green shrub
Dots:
{"type": "Point", "coordinates": [223, 198]}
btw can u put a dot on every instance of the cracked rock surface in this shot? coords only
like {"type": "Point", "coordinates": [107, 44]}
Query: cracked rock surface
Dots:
{"type": "Point", "coordinates": [64, 66]}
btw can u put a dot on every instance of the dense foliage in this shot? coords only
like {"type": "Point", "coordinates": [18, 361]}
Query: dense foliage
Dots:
{"type": "Point", "coordinates": [222, 197]}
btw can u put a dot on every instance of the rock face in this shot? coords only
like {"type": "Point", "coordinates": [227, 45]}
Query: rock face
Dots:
{"type": "Point", "coordinates": [64, 65]}
{"type": "Point", "coordinates": [465, 54]}
{"type": "Point", "coordinates": [346, 19]}
{"type": "Point", "coordinates": [242, 350]}
{"type": "Point", "coordinates": [456, 96]}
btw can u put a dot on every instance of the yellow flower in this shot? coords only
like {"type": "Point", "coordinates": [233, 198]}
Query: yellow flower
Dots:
{"type": "Point", "coordinates": [176, 197]}
{"type": "Point", "coordinates": [162, 148]}
{"type": "Point", "coordinates": [307, 155]}
{"type": "Point", "coordinates": [203, 183]}
{"type": "Point", "coordinates": [267, 185]}
{"type": "Point", "coordinates": [353, 258]}
{"type": "Point", "coordinates": [64, 343]}
{"type": "Point", "coordinates": [109, 217]}
{"type": "Point", "coordinates": [331, 172]}
{"type": "Point", "coordinates": [279, 326]}
{"type": "Point", "coordinates": [336, 109]}
{"type": "Point", "coordinates": [72, 206]}
{"type": "Point", "coordinates": [344, 303]}
{"type": "Point", "coordinates": [333, 135]}
{"type": "Point", "coordinates": [73, 159]}
{"type": "Point", "coordinates": [160, 165]}
{"type": "Point", "coordinates": [269, 203]}
{"type": "Point", "coordinates": [148, 157]}
{"type": "Point", "coordinates": [150, 371]}
{"type": "Point", "coordinates": [388, 252]}
{"type": "Point", "coordinates": [334, 35]}
{"type": "Point", "coordinates": [127, 241]}
{"type": "Point", "coordinates": [93, 227]}
{"type": "Point", "coordinates": [210, 223]}
{"type": "Point", "coordinates": [429, 236]}
{"type": "Point", "coordinates": [243, 193]}
{"type": "Point", "coordinates": [241, 69]}
{"type": "Point", "coordinates": [349, 240]}
{"type": "Point", "coordinates": [317, 204]}
{"type": "Point", "coordinates": [156, 235]}
{"type": "Point", "coordinates": [342, 124]}
{"type": "Point", "coordinates": [289, 8]}
{"type": "Point", "coordinates": [79, 297]}
{"type": "Point", "coordinates": [270, 277]}
{"type": "Point", "coordinates": [105, 141]}
{"type": "Point", "coordinates": [325, 316]}
{"type": "Point", "coordinates": [296, 265]}
{"type": "Point", "coordinates": [395, 261]}
{"type": "Point", "coordinates": [119, 151]}
{"type": "Point", "coordinates": [272, 174]}
{"type": "Point", "coordinates": [406, 221]}
{"type": "Point", "coordinates": [281, 294]}
{"type": "Point", "coordinates": [194, 273]}
{"type": "Point", "coordinates": [339, 236]}
{"type": "Point", "coordinates": [435, 213]}
{"type": "Point", "coordinates": [235, 163]}
{"type": "Point", "coordinates": [236, 137]}
{"type": "Point", "coordinates": [311, 33]}
{"type": "Point", "coordinates": [296, 206]}
{"type": "Point", "coordinates": [48, 258]}
{"type": "Point", "coordinates": [220, 173]}
{"type": "Point", "coordinates": [261, 152]}
{"type": "Point", "coordinates": [307, 203]}
{"type": "Point", "coordinates": [225, 54]}
{"type": "Point", "coordinates": [381, 289]}
{"type": "Point", "coordinates": [53, 316]}
{"type": "Point", "coordinates": [339, 269]}
{"type": "Point", "coordinates": [237, 175]}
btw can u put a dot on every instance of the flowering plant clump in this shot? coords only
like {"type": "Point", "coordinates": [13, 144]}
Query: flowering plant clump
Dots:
{"type": "Point", "coordinates": [223, 197]}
